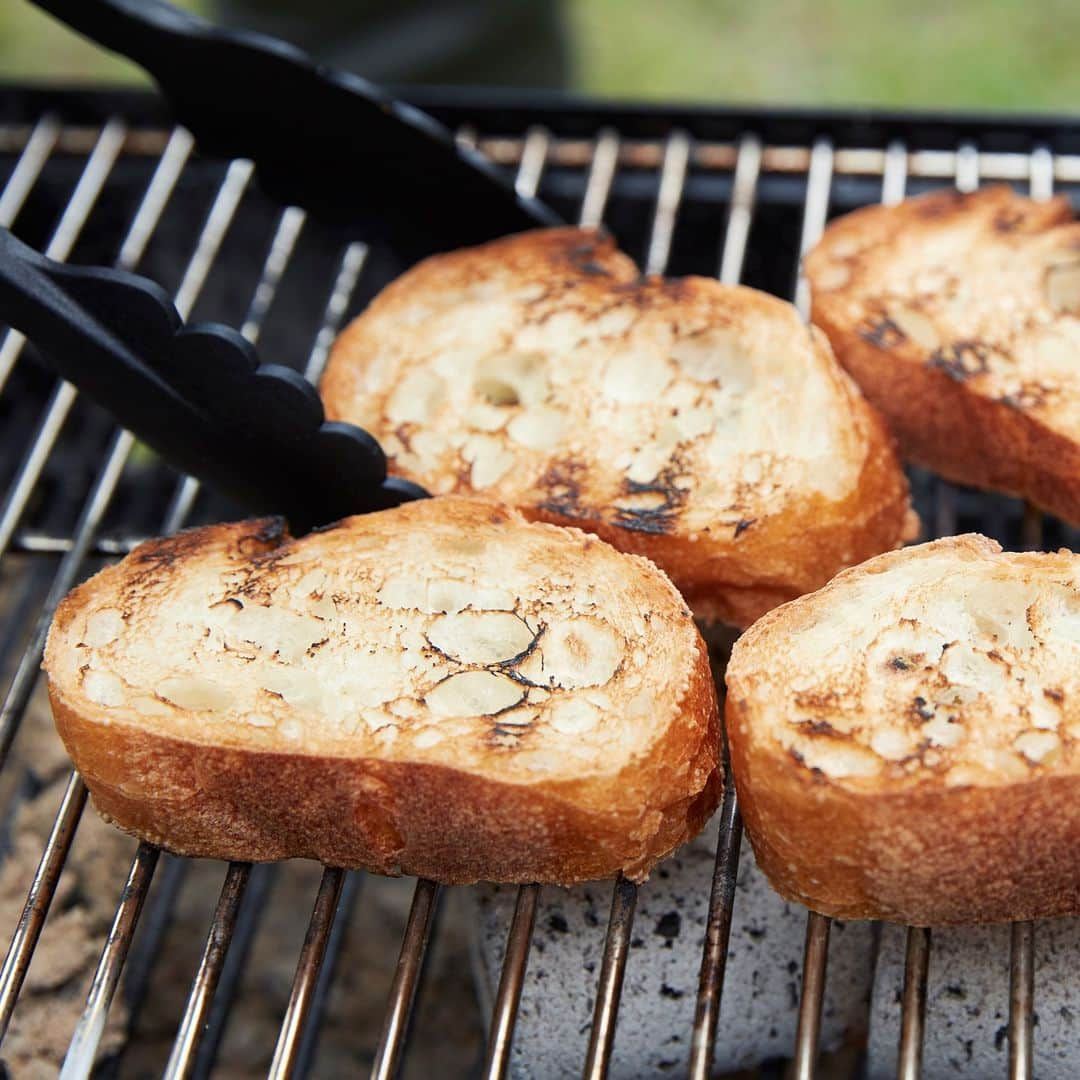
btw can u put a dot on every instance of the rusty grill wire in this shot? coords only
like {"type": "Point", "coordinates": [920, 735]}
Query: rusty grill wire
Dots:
{"type": "Point", "coordinates": [71, 553]}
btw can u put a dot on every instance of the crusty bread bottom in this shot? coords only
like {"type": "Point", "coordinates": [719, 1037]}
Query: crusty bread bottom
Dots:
{"type": "Point", "coordinates": [966, 438]}
{"type": "Point", "coordinates": [904, 741]}
{"type": "Point", "coordinates": [458, 828]}
{"type": "Point", "coordinates": [911, 857]}
{"type": "Point", "coordinates": [232, 692]}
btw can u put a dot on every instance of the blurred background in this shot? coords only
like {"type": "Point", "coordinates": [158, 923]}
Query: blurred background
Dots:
{"type": "Point", "coordinates": [979, 54]}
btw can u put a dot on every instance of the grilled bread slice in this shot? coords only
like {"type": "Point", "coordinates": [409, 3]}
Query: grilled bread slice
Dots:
{"type": "Point", "coordinates": [700, 425]}
{"type": "Point", "coordinates": [906, 742]}
{"type": "Point", "coordinates": [959, 316]}
{"type": "Point", "coordinates": [443, 689]}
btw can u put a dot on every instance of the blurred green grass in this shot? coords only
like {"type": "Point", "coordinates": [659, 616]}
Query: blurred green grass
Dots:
{"type": "Point", "coordinates": [989, 54]}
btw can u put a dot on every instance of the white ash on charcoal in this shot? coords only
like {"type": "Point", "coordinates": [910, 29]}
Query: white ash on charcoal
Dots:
{"type": "Point", "coordinates": [967, 1002]}
{"type": "Point", "coordinates": [761, 990]}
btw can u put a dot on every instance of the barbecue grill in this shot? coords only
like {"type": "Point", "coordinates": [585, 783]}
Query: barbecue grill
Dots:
{"type": "Point", "coordinates": [104, 178]}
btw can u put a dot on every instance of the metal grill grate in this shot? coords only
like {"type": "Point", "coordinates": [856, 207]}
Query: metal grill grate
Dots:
{"type": "Point", "coordinates": [78, 490]}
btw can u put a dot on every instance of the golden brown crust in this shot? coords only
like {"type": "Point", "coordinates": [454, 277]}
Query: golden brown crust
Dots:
{"type": "Point", "coordinates": [906, 742]}
{"type": "Point", "coordinates": [920, 857]}
{"type": "Point", "coordinates": [697, 424]}
{"type": "Point", "coordinates": [202, 782]}
{"type": "Point", "coordinates": [958, 315]}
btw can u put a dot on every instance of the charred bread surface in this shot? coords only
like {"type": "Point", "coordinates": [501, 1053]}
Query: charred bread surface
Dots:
{"type": "Point", "coordinates": [959, 316]}
{"type": "Point", "coordinates": [701, 425]}
{"type": "Point", "coordinates": [443, 689]}
{"type": "Point", "coordinates": [906, 741]}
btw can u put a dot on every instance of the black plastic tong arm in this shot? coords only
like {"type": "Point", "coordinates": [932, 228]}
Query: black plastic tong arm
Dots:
{"type": "Point", "coordinates": [325, 140]}
{"type": "Point", "coordinates": [197, 395]}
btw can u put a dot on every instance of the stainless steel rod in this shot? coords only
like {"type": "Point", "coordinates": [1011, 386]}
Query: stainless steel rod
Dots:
{"type": "Point", "coordinates": [600, 177]}
{"type": "Point", "coordinates": [729, 840]}
{"type": "Point", "coordinates": [511, 981]}
{"type": "Point", "coordinates": [717, 933]}
{"type": "Point", "coordinates": [307, 974]}
{"type": "Point", "coordinates": [83, 199]}
{"type": "Point", "coordinates": [83, 1049]}
{"type": "Point", "coordinates": [39, 898]}
{"type": "Point", "coordinates": [1022, 1002]}
{"type": "Point", "coordinates": [609, 988]}
{"type": "Point", "coordinates": [669, 195]}
{"type": "Point", "coordinates": [815, 957]}
{"type": "Point", "coordinates": [406, 978]}
{"type": "Point", "coordinates": [181, 1061]}
{"type": "Point", "coordinates": [28, 168]}
{"type": "Point", "coordinates": [531, 166]}
{"type": "Point", "coordinates": [913, 1008]}
{"type": "Point", "coordinates": [815, 214]}
{"type": "Point", "coordinates": [740, 215]}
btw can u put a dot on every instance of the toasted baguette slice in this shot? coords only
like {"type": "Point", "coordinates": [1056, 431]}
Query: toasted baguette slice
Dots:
{"type": "Point", "coordinates": [959, 316]}
{"type": "Point", "coordinates": [700, 425]}
{"type": "Point", "coordinates": [905, 741]}
{"type": "Point", "coordinates": [442, 689]}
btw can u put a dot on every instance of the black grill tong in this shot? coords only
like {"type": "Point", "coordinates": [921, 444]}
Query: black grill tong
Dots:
{"type": "Point", "coordinates": [325, 140]}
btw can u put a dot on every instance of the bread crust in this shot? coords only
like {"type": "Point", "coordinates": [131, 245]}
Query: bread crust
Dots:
{"type": "Point", "coordinates": [213, 790]}
{"type": "Point", "coordinates": [910, 843]}
{"type": "Point", "coordinates": [734, 545]}
{"type": "Point", "coordinates": [969, 373]}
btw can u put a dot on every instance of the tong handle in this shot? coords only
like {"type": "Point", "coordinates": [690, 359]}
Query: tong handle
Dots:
{"type": "Point", "coordinates": [198, 394]}
{"type": "Point", "coordinates": [326, 140]}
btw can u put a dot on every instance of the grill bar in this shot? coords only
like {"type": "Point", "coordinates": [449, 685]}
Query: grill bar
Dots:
{"type": "Point", "coordinates": [94, 174]}
{"type": "Point", "coordinates": [786, 159]}
{"type": "Point", "coordinates": [197, 1011]}
{"type": "Point", "coordinates": [813, 992]}
{"type": "Point", "coordinates": [260, 882]}
{"type": "Point", "coordinates": [406, 978]}
{"type": "Point", "coordinates": [352, 263]}
{"type": "Point", "coordinates": [743, 193]}
{"type": "Point", "coordinates": [42, 890]}
{"type": "Point", "coordinates": [1021, 1001]}
{"type": "Point", "coordinates": [966, 178]}
{"type": "Point", "coordinates": [717, 932]}
{"type": "Point", "coordinates": [612, 969]}
{"type": "Point", "coordinates": [281, 248]}
{"type": "Point", "coordinates": [672, 181]}
{"type": "Point", "coordinates": [132, 249]}
{"type": "Point", "coordinates": [1041, 173]}
{"type": "Point", "coordinates": [815, 214]}
{"type": "Point", "coordinates": [325, 975]}
{"type": "Point", "coordinates": [510, 983]}
{"type": "Point", "coordinates": [647, 153]}
{"type": "Point", "coordinates": [91, 1026]}
{"type": "Point", "coordinates": [602, 164]}
{"type": "Point", "coordinates": [36, 151]}
{"type": "Point", "coordinates": [913, 1017]}
{"type": "Point", "coordinates": [26, 674]}
{"type": "Point", "coordinates": [729, 842]}
{"type": "Point", "coordinates": [286, 1053]}
{"type": "Point", "coordinates": [894, 174]}
{"type": "Point", "coordinates": [533, 157]}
